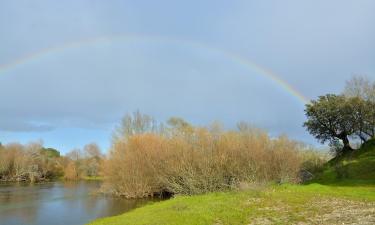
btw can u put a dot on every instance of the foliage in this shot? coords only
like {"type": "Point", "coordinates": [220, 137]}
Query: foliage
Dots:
{"type": "Point", "coordinates": [330, 118]}
{"type": "Point", "coordinates": [360, 86]}
{"type": "Point", "coordinates": [33, 162]}
{"type": "Point", "coordinates": [29, 162]}
{"type": "Point", "coordinates": [85, 164]}
{"type": "Point", "coordinates": [336, 117]}
{"type": "Point", "coordinates": [193, 160]}
{"type": "Point", "coordinates": [51, 152]}
{"type": "Point", "coordinates": [313, 161]}
{"type": "Point", "coordinates": [339, 118]}
{"type": "Point", "coordinates": [136, 123]}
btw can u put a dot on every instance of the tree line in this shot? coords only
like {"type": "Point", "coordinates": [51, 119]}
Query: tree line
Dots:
{"type": "Point", "coordinates": [33, 162]}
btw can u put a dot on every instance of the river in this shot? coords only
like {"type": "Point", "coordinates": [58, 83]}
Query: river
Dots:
{"type": "Point", "coordinates": [58, 203]}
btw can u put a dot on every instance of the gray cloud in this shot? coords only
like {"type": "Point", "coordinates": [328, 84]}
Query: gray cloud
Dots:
{"type": "Point", "coordinates": [22, 126]}
{"type": "Point", "coordinates": [75, 90]}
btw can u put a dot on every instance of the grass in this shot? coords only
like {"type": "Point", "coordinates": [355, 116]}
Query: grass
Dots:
{"type": "Point", "coordinates": [285, 204]}
{"type": "Point", "coordinates": [357, 167]}
{"type": "Point", "coordinates": [84, 178]}
{"type": "Point", "coordinates": [95, 178]}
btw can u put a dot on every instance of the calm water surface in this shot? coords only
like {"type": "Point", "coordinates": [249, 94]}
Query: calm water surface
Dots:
{"type": "Point", "coordinates": [65, 203]}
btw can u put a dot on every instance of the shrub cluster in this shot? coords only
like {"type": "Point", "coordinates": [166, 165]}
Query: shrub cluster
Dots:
{"type": "Point", "coordinates": [86, 163]}
{"type": "Point", "coordinates": [31, 162]}
{"type": "Point", "coordinates": [191, 160]}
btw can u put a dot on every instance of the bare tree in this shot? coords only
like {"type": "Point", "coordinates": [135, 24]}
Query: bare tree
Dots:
{"type": "Point", "coordinates": [136, 123]}
{"type": "Point", "coordinates": [364, 88]}
{"type": "Point", "coordinates": [93, 159]}
{"type": "Point", "coordinates": [360, 86]}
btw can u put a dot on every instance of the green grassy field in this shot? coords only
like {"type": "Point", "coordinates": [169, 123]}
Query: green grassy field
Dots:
{"type": "Point", "coordinates": [342, 193]}
{"type": "Point", "coordinates": [285, 204]}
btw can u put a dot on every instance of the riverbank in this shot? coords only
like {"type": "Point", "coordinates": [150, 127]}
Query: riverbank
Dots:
{"type": "Point", "coordinates": [25, 181]}
{"type": "Point", "coordinates": [285, 204]}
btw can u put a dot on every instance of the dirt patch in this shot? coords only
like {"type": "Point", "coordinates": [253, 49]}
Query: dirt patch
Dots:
{"type": "Point", "coordinates": [318, 210]}
{"type": "Point", "coordinates": [341, 211]}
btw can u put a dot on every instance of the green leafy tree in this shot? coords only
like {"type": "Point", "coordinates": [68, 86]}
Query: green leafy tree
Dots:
{"type": "Point", "coordinates": [51, 152]}
{"type": "Point", "coordinates": [331, 118]}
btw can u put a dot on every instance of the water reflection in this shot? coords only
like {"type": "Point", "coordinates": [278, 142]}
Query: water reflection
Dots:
{"type": "Point", "coordinates": [58, 203]}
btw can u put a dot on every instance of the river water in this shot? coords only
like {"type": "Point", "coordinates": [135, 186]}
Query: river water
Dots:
{"type": "Point", "coordinates": [55, 203]}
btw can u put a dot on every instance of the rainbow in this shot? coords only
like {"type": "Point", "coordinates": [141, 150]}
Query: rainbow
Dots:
{"type": "Point", "coordinates": [128, 37]}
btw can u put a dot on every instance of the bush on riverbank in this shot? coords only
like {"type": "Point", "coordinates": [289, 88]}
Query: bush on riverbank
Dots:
{"type": "Point", "coordinates": [31, 162]}
{"type": "Point", "coordinates": [182, 159]}
{"type": "Point", "coordinates": [86, 164]}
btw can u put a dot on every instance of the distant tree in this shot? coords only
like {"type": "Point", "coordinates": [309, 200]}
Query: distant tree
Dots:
{"type": "Point", "coordinates": [30, 162]}
{"type": "Point", "coordinates": [51, 152]}
{"type": "Point", "coordinates": [136, 123]}
{"type": "Point", "coordinates": [179, 126]}
{"type": "Point", "coordinates": [360, 86]}
{"type": "Point", "coordinates": [73, 168]}
{"type": "Point", "coordinates": [92, 150]}
{"type": "Point", "coordinates": [93, 159]}
{"type": "Point", "coordinates": [331, 118]}
{"type": "Point", "coordinates": [71, 171]}
{"type": "Point", "coordinates": [75, 155]}
{"type": "Point", "coordinates": [364, 117]}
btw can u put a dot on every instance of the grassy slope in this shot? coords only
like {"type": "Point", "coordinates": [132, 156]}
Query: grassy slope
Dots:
{"type": "Point", "coordinates": [351, 169]}
{"type": "Point", "coordinates": [350, 199]}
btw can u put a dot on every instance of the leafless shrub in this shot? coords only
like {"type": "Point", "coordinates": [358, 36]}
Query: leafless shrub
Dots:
{"type": "Point", "coordinates": [192, 160]}
{"type": "Point", "coordinates": [29, 162]}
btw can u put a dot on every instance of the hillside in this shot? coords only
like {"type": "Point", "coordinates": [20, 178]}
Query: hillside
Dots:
{"type": "Point", "coordinates": [357, 167]}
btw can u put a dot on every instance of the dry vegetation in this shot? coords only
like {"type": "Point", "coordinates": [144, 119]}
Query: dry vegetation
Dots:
{"type": "Point", "coordinates": [29, 162]}
{"type": "Point", "coordinates": [84, 164]}
{"type": "Point", "coordinates": [32, 163]}
{"type": "Point", "coordinates": [182, 159]}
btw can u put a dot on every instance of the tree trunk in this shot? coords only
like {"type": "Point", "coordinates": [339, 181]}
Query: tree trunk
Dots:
{"type": "Point", "coordinates": [346, 143]}
{"type": "Point", "coordinates": [363, 139]}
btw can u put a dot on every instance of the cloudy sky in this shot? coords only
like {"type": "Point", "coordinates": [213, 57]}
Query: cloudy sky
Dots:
{"type": "Point", "coordinates": [69, 70]}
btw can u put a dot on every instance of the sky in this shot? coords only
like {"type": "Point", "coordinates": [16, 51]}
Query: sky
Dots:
{"type": "Point", "coordinates": [70, 70]}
